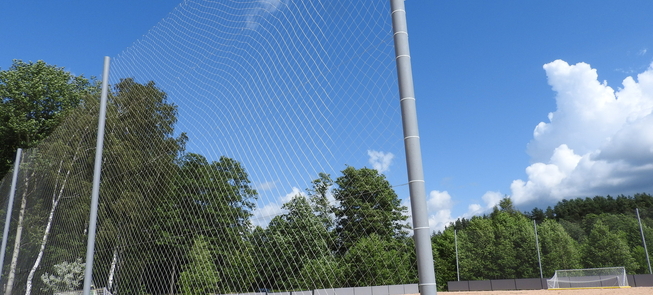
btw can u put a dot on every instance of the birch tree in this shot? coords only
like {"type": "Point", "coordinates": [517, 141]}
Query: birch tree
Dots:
{"type": "Point", "coordinates": [34, 100]}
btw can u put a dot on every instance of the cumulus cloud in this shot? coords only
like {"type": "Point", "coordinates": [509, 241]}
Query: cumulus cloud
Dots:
{"type": "Point", "coordinates": [380, 161]}
{"type": "Point", "coordinates": [598, 141]}
{"type": "Point", "coordinates": [490, 198]}
{"type": "Point", "coordinates": [439, 205]}
{"type": "Point", "coordinates": [263, 215]}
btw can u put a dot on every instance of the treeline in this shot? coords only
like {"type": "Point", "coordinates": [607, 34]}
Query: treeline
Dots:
{"type": "Point", "coordinates": [170, 221]}
{"type": "Point", "coordinates": [578, 233]}
{"type": "Point", "coordinates": [175, 222]}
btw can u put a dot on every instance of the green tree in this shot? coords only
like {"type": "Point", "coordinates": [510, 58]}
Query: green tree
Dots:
{"type": "Point", "coordinates": [200, 275]}
{"type": "Point", "coordinates": [607, 249]}
{"type": "Point", "coordinates": [558, 248]}
{"type": "Point", "coordinates": [322, 273]}
{"type": "Point", "coordinates": [476, 250]}
{"type": "Point", "coordinates": [211, 199]}
{"type": "Point", "coordinates": [444, 254]}
{"type": "Point", "coordinates": [376, 261]}
{"type": "Point", "coordinates": [34, 98]}
{"type": "Point", "coordinates": [367, 205]}
{"type": "Point", "coordinates": [138, 170]}
{"type": "Point", "coordinates": [62, 164]}
{"type": "Point", "coordinates": [292, 240]}
{"type": "Point", "coordinates": [68, 276]}
{"type": "Point", "coordinates": [515, 253]}
{"type": "Point", "coordinates": [319, 197]}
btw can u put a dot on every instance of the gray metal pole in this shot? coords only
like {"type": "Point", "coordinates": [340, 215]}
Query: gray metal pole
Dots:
{"type": "Point", "coordinates": [421, 230]}
{"type": "Point", "coordinates": [455, 241]}
{"type": "Point", "coordinates": [10, 207]}
{"type": "Point", "coordinates": [641, 230]}
{"type": "Point", "coordinates": [537, 245]}
{"type": "Point", "coordinates": [92, 222]}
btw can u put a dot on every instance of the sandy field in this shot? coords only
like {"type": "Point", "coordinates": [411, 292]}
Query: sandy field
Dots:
{"type": "Point", "coordinates": [624, 291]}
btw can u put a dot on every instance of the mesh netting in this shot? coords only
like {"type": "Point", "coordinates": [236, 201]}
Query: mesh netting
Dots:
{"type": "Point", "coordinates": [589, 278]}
{"type": "Point", "coordinates": [246, 149]}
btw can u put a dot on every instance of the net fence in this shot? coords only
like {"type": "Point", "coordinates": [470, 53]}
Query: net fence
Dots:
{"type": "Point", "coordinates": [250, 146]}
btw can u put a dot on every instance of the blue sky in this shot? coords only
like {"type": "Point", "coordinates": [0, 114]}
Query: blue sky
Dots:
{"type": "Point", "coordinates": [482, 88]}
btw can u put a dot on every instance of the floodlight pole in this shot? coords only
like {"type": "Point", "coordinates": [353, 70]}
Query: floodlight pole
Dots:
{"type": "Point", "coordinates": [421, 230]}
{"type": "Point", "coordinates": [537, 245]}
{"type": "Point", "coordinates": [92, 222]}
{"type": "Point", "coordinates": [10, 207]}
{"type": "Point", "coordinates": [641, 230]}
{"type": "Point", "coordinates": [455, 241]}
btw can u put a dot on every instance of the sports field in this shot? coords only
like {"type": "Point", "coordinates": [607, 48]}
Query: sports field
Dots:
{"type": "Point", "coordinates": [623, 291]}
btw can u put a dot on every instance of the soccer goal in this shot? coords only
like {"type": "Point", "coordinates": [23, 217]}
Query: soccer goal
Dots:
{"type": "Point", "coordinates": [607, 277]}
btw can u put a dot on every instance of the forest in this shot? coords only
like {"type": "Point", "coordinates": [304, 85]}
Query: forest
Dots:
{"type": "Point", "coordinates": [602, 231]}
{"type": "Point", "coordinates": [175, 222]}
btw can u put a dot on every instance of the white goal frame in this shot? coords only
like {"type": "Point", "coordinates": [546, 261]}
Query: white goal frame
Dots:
{"type": "Point", "coordinates": [589, 278]}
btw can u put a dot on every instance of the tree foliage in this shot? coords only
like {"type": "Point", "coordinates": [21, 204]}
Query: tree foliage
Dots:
{"type": "Point", "coordinates": [67, 276]}
{"type": "Point", "coordinates": [367, 205]}
{"type": "Point", "coordinates": [377, 261]}
{"type": "Point", "coordinates": [558, 249]}
{"type": "Point", "coordinates": [34, 99]}
{"type": "Point", "coordinates": [605, 248]}
{"type": "Point", "coordinates": [502, 244]}
{"type": "Point", "coordinates": [200, 275]}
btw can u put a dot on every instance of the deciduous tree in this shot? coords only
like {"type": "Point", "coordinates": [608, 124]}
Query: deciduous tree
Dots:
{"type": "Point", "coordinates": [367, 205]}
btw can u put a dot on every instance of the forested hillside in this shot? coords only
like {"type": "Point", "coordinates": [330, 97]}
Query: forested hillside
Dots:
{"type": "Point", "coordinates": [578, 233]}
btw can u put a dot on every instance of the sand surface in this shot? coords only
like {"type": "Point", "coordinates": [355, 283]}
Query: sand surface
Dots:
{"type": "Point", "coordinates": [624, 291]}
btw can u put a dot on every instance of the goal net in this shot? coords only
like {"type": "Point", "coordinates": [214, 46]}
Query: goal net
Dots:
{"type": "Point", "coordinates": [607, 277]}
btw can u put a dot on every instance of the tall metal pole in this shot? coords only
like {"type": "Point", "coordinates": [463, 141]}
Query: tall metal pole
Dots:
{"type": "Point", "coordinates": [537, 245]}
{"type": "Point", "coordinates": [92, 222]}
{"type": "Point", "coordinates": [10, 207]}
{"type": "Point", "coordinates": [455, 241]}
{"type": "Point", "coordinates": [641, 230]}
{"type": "Point", "coordinates": [421, 230]}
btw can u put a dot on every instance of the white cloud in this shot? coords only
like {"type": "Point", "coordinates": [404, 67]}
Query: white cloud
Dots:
{"type": "Point", "coordinates": [492, 199]}
{"type": "Point", "coordinates": [263, 215]}
{"type": "Point", "coordinates": [642, 52]}
{"type": "Point", "coordinates": [474, 209]}
{"type": "Point", "coordinates": [598, 141]}
{"type": "Point", "coordinates": [440, 204]}
{"type": "Point", "coordinates": [266, 186]}
{"type": "Point", "coordinates": [380, 161]}
{"type": "Point", "coordinates": [439, 200]}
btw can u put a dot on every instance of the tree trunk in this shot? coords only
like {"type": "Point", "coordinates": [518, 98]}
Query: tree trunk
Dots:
{"type": "Point", "coordinates": [28, 289]}
{"type": "Point", "coordinates": [172, 276]}
{"type": "Point", "coordinates": [56, 197]}
{"type": "Point", "coordinates": [112, 271]}
{"type": "Point", "coordinates": [19, 233]}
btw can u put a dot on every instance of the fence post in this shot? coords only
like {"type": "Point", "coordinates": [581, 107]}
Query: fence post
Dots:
{"type": "Point", "coordinates": [421, 229]}
{"type": "Point", "coordinates": [92, 223]}
{"type": "Point", "coordinates": [10, 207]}
{"type": "Point", "coordinates": [455, 240]}
{"type": "Point", "coordinates": [537, 245]}
{"type": "Point", "coordinates": [641, 230]}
